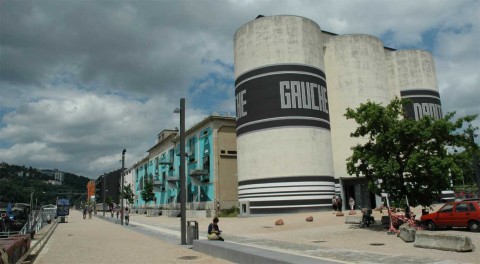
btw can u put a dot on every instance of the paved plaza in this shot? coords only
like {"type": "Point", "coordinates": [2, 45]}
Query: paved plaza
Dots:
{"type": "Point", "coordinates": [156, 240]}
{"type": "Point", "coordinates": [99, 241]}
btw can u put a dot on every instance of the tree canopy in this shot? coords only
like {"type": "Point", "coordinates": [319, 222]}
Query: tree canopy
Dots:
{"type": "Point", "coordinates": [147, 194]}
{"type": "Point", "coordinates": [128, 193]}
{"type": "Point", "coordinates": [405, 157]}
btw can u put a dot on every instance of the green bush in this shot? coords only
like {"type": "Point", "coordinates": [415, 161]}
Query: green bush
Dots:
{"type": "Point", "coordinates": [232, 212]}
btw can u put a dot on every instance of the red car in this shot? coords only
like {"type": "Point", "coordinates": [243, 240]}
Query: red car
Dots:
{"type": "Point", "coordinates": [464, 213]}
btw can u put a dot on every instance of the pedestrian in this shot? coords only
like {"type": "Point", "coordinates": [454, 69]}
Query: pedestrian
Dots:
{"type": "Point", "coordinates": [351, 202]}
{"type": "Point", "coordinates": [339, 203]}
{"type": "Point", "coordinates": [90, 211]}
{"type": "Point", "coordinates": [127, 215]}
{"type": "Point", "coordinates": [117, 211]}
{"type": "Point", "coordinates": [85, 212]}
{"type": "Point", "coordinates": [214, 231]}
{"type": "Point", "coordinates": [112, 210]}
{"type": "Point", "coordinates": [334, 203]}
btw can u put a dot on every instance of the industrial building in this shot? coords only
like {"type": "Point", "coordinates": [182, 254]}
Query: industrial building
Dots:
{"type": "Point", "coordinates": [293, 83]}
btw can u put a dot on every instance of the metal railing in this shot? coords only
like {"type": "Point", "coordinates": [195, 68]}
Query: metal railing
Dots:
{"type": "Point", "coordinates": [33, 252]}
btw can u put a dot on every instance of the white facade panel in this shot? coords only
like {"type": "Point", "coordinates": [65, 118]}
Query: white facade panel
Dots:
{"type": "Point", "coordinates": [355, 68]}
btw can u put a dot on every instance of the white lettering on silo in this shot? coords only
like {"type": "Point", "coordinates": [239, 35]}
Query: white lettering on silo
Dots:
{"type": "Point", "coordinates": [312, 87]}
{"type": "Point", "coordinates": [306, 99]}
{"type": "Point", "coordinates": [296, 94]}
{"type": "Point", "coordinates": [306, 95]}
{"type": "Point", "coordinates": [427, 109]}
{"type": "Point", "coordinates": [241, 102]}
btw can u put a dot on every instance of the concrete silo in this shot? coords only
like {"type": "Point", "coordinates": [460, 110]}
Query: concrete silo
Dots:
{"type": "Point", "coordinates": [356, 72]}
{"type": "Point", "coordinates": [412, 75]}
{"type": "Point", "coordinates": [283, 131]}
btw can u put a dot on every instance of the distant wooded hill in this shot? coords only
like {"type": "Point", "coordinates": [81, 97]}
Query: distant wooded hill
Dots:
{"type": "Point", "coordinates": [18, 182]}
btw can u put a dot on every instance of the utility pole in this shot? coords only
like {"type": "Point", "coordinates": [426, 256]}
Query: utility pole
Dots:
{"type": "Point", "coordinates": [121, 187]}
{"type": "Point", "coordinates": [183, 195]}
{"type": "Point", "coordinates": [103, 187]}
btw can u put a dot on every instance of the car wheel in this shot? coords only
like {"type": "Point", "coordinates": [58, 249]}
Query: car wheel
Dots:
{"type": "Point", "coordinates": [474, 226]}
{"type": "Point", "coordinates": [430, 225]}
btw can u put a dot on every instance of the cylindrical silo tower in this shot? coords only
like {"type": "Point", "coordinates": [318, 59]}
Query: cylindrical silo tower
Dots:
{"type": "Point", "coordinates": [283, 131]}
{"type": "Point", "coordinates": [356, 72]}
{"type": "Point", "coordinates": [412, 75]}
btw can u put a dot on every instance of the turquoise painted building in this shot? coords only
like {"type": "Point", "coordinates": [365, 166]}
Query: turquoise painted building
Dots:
{"type": "Point", "coordinates": [211, 173]}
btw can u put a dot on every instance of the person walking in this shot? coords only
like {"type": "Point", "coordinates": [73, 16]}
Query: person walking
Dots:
{"type": "Point", "coordinates": [351, 202]}
{"type": "Point", "coordinates": [127, 215]}
{"type": "Point", "coordinates": [90, 211]}
{"type": "Point", "coordinates": [85, 212]}
{"type": "Point", "coordinates": [334, 204]}
{"type": "Point", "coordinates": [339, 203]}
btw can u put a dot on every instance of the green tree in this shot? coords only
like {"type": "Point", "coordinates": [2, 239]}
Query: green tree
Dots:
{"type": "Point", "coordinates": [108, 200]}
{"type": "Point", "coordinates": [147, 194]}
{"type": "Point", "coordinates": [404, 157]}
{"type": "Point", "coordinates": [128, 193]}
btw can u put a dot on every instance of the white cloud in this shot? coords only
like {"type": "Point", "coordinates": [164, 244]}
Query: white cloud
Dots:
{"type": "Point", "coordinates": [35, 152]}
{"type": "Point", "coordinates": [80, 82]}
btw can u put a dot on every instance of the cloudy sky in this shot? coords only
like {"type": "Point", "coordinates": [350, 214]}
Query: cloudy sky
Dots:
{"type": "Point", "coordinates": [82, 80]}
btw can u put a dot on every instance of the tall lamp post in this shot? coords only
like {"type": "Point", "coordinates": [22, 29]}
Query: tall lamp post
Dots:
{"type": "Point", "coordinates": [121, 186]}
{"type": "Point", "coordinates": [183, 195]}
{"type": "Point", "coordinates": [30, 218]}
{"type": "Point", "coordinates": [103, 187]}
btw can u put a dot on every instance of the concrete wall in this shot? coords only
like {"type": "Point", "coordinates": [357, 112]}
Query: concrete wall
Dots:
{"type": "Point", "coordinates": [355, 69]}
{"type": "Point", "coordinates": [226, 182]}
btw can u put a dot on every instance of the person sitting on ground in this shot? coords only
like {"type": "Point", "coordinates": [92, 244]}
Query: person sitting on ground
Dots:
{"type": "Point", "coordinates": [213, 231]}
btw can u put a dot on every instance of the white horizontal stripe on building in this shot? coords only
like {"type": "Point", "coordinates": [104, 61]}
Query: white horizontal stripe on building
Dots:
{"type": "Point", "coordinates": [417, 96]}
{"type": "Point", "coordinates": [280, 72]}
{"type": "Point", "coordinates": [285, 189]}
{"type": "Point", "coordinates": [286, 184]}
{"type": "Point", "coordinates": [283, 118]}
{"type": "Point", "coordinates": [283, 198]}
{"type": "Point", "coordinates": [275, 194]}
{"type": "Point", "coordinates": [290, 206]}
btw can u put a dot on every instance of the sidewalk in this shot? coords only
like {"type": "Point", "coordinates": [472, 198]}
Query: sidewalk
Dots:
{"type": "Point", "coordinates": [99, 241]}
{"type": "Point", "coordinates": [327, 237]}
{"type": "Point", "coordinates": [156, 240]}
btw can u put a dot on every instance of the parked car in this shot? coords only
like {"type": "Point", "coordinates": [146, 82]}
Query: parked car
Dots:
{"type": "Point", "coordinates": [465, 213]}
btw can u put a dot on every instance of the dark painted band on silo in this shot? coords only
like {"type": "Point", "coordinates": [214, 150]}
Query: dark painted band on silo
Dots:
{"type": "Point", "coordinates": [423, 103]}
{"type": "Point", "coordinates": [281, 96]}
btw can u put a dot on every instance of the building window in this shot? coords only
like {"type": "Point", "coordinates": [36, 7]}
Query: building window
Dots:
{"type": "Point", "coordinates": [206, 163]}
{"type": "Point", "coordinates": [191, 149]}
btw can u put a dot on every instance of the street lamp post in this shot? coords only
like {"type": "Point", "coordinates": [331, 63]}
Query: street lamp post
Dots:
{"type": "Point", "coordinates": [104, 187]}
{"type": "Point", "coordinates": [121, 187]}
{"type": "Point", "coordinates": [31, 208]}
{"type": "Point", "coordinates": [183, 195]}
